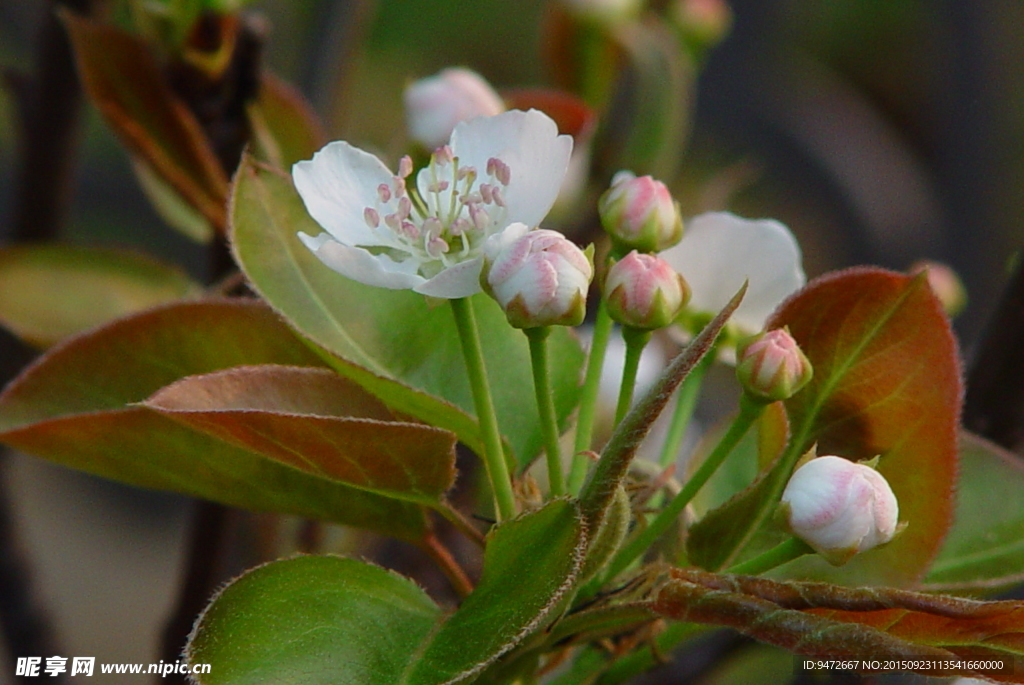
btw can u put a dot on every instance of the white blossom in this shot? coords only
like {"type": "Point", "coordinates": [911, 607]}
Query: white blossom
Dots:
{"type": "Point", "coordinates": [497, 171]}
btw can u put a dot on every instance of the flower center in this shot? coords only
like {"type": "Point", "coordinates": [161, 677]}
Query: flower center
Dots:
{"type": "Point", "coordinates": [447, 219]}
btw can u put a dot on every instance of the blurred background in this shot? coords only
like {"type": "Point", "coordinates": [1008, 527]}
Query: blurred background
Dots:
{"type": "Point", "coordinates": [879, 131]}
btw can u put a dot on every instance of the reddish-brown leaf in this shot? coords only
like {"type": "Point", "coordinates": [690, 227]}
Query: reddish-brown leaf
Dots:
{"type": "Point", "coordinates": [77, 406]}
{"type": "Point", "coordinates": [319, 423]}
{"type": "Point", "coordinates": [886, 382]}
{"type": "Point", "coordinates": [124, 80]}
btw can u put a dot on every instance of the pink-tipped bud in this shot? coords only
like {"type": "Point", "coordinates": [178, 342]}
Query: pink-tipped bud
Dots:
{"type": "Point", "coordinates": [771, 366]}
{"type": "Point", "coordinates": [945, 283]}
{"type": "Point", "coordinates": [839, 508]}
{"type": "Point", "coordinates": [434, 105]}
{"type": "Point", "coordinates": [644, 292]}
{"type": "Point", "coordinates": [539, 279]}
{"type": "Point", "coordinates": [640, 214]}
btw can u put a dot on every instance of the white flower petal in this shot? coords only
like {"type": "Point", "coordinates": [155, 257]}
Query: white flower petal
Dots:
{"type": "Point", "coordinates": [720, 250]}
{"type": "Point", "coordinates": [359, 265]}
{"type": "Point", "coordinates": [460, 280]}
{"type": "Point", "coordinates": [337, 185]}
{"type": "Point", "coordinates": [529, 143]}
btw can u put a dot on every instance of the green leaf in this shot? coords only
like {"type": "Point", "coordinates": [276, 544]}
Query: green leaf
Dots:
{"type": "Point", "coordinates": [313, 620]}
{"type": "Point", "coordinates": [984, 552]}
{"type": "Point", "coordinates": [49, 292]}
{"type": "Point", "coordinates": [886, 382]}
{"type": "Point", "coordinates": [77, 406]}
{"type": "Point", "coordinates": [854, 623]}
{"type": "Point", "coordinates": [530, 569]}
{"type": "Point", "coordinates": [391, 342]}
{"type": "Point", "coordinates": [319, 423]}
{"type": "Point", "coordinates": [127, 85]}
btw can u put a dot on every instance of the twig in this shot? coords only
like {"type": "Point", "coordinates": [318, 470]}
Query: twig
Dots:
{"type": "Point", "coordinates": [50, 111]}
{"type": "Point", "coordinates": [209, 530]}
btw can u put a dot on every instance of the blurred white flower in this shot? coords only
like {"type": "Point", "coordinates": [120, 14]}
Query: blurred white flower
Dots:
{"type": "Point", "coordinates": [604, 10]}
{"type": "Point", "coordinates": [436, 104]}
{"type": "Point", "coordinates": [839, 507]}
{"type": "Point", "coordinates": [498, 171]}
{"type": "Point", "coordinates": [720, 250]}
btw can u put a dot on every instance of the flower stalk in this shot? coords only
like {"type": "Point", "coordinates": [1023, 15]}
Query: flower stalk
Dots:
{"type": "Point", "coordinates": [750, 411]}
{"type": "Point", "coordinates": [588, 397]}
{"type": "Point", "coordinates": [783, 553]}
{"type": "Point", "coordinates": [546, 406]}
{"type": "Point", "coordinates": [494, 454]}
{"type": "Point", "coordinates": [636, 340]}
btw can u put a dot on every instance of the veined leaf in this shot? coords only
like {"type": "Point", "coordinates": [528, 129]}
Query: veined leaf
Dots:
{"type": "Point", "coordinates": [984, 552]}
{"type": "Point", "coordinates": [49, 292]}
{"type": "Point", "coordinates": [319, 423]}
{"type": "Point", "coordinates": [312, 620]}
{"type": "Point", "coordinates": [392, 342]}
{"type": "Point", "coordinates": [886, 382]}
{"type": "Point", "coordinates": [77, 406]}
{"type": "Point", "coordinates": [530, 569]}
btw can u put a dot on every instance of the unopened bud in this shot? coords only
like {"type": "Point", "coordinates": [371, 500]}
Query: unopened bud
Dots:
{"type": "Point", "coordinates": [539, 278]}
{"type": "Point", "coordinates": [771, 366]}
{"type": "Point", "coordinates": [839, 508]}
{"type": "Point", "coordinates": [644, 292]}
{"type": "Point", "coordinates": [640, 214]}
{"type": "Point", "coordinates": [434, 105]}
{"type": "Point", "coordinates": [945, 283]}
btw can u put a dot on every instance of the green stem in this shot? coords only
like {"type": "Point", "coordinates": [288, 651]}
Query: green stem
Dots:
{"type": "Point", "coordinates": [636, 340]}
{"type": "Point", "coordinates": [686, 402]}
{"type": "Point", "coordinates": [782, 553]}
{"type": "Point", "coordinates": [494, 455]}
{"type": "Point", "coordinates": [750, 411]}
{"type": "Point", "coordinates": [546, 406]}
{"type": "Point", "coordinates": [588, 398]}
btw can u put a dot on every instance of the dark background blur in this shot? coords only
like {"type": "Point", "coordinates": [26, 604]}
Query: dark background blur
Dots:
{"type": "Point", "coordinates": [880, 131]}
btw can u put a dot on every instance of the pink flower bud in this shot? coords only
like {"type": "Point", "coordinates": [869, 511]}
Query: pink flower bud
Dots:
{"type": "Point", "coordinates": [643, 291]}
{"type": "Point", "coordinates": [436, 104]}
{"type": "Point", "coordinates": [540, 278]}
{"type": "Point", "coordinates": [771, 366]}
{"type": "Point", "coordinates": [640, 214]}
{"type": "Point", "coordinates": [839, 508]}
